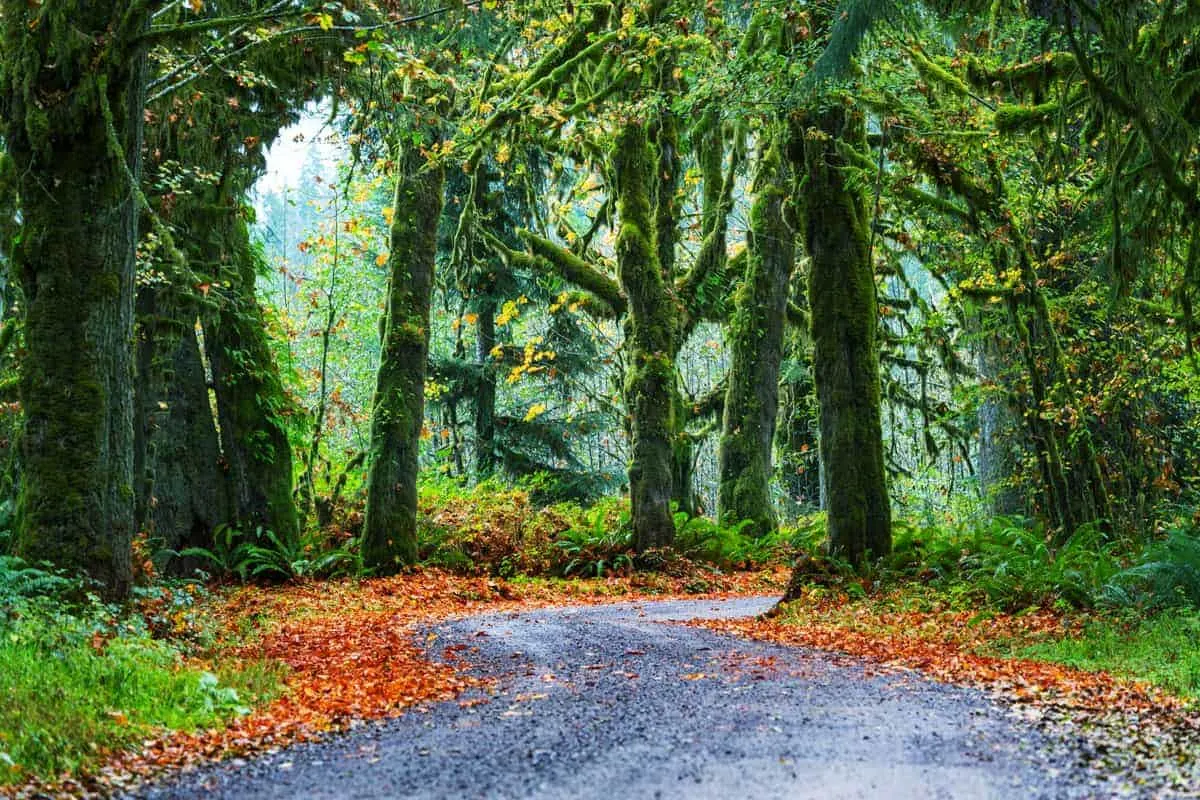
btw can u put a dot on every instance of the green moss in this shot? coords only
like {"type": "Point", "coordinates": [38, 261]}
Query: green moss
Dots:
{"type": "Point", "coordinates": [1015, 118]}
{"type": "Point", "coordinates": [651, 380]}
{"type": "Point", "coordinates": [756, 342]}
{"type": "Point", "coordinates": [845, 353]}
{"type": "Point", "coordinates": [397, 411]}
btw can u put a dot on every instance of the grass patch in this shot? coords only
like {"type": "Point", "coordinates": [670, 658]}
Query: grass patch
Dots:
{"type": "Point", "coordinates": [1160, 650]}
{"type": "Point", "coordinates": [75, 684]}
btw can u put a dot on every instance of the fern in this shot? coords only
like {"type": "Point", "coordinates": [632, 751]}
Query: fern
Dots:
{"type": "Point", "coordinates": [20, 580]}
{"type": "Point", "coordinates": [1168, 575]}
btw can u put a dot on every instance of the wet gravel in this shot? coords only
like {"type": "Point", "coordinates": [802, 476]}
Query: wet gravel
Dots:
{"type": "Point", "coordinates": [614, 702]}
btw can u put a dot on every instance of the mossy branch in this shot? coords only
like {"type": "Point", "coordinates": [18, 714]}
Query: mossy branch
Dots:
{"type": "Point", "coordinates": [1032, 75]}
{"type": "Point", "coordinates": [549, 258]}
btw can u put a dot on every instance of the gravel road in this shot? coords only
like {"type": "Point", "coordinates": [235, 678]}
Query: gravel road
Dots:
{"type": "Point", "coordinates": [615, 702]}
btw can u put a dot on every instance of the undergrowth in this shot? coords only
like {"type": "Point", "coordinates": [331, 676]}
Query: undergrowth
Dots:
{"type": "Point", "coordinates": [79, 677]}
{"type": "Point", "coordinates": [495, 530]}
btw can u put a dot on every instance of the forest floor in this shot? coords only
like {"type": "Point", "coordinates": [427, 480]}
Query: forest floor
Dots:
{"type": "Point", "coordinates": [436, 685]}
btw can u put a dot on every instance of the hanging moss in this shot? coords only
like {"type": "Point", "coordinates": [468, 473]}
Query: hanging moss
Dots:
{"type": "Point", "coordinates": [756, 347]}
{"type": "Point", "coordinates": [650, 381]}
{"type": "Point", "coordinates": [841, 294]}
{"type": "Point", "coordinates": [398, 408]}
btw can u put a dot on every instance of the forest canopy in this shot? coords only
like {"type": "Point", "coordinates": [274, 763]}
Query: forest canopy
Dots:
{"type": "Point", "coordinates": [895, 264]}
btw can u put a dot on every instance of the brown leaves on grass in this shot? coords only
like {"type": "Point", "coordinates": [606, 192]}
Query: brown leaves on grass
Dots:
{"type": "Point", "coordinates": [945, 644]}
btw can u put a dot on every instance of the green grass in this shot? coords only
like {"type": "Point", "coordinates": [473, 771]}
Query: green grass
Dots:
{"type": "Point", "coordinates": [73, 686]}
{"type": "Point", "coordinates": [1161, 650]}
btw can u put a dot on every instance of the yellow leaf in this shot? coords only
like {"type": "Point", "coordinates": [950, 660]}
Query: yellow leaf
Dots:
{"type": "Point", "coordinates": [535, 411]}
{"type": "Point", "coordinates": [381, 259]}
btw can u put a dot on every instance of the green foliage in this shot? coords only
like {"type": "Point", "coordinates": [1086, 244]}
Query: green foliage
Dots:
{"type": "Point", "coordinates": [1151, 649]}
{"type": "Point", "coordinates": [268, 556]}
{"type": "Point", "coordinates": [599, 546]}
{"type": "Point", "coordinates": [1167, 574]}
{"type": "Point", "coordinates": [77, 680]}
{"type": "Point", "coordinates": [1016, 566]}
{"type": "Point", "coordinates": [19, 580]}
{"type": "Point", "coordinates": [493, 530]}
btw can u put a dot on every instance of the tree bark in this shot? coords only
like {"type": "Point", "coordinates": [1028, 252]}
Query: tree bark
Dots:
{"type": "Point", "coordinates": [398, 409]}
{"type": "Point", "coordinates": [650, 382]}
{"type": "Point", "coordinates": [756, 351]}
{"type": "Point", "coordinates": [485, 393]}
{"type": "Point", "coordinates": [841, 294]}
{"type": "Point", "coordinates": [251, 402]}
{"type": "Point", "coordinates": [71, 119]}
{"type": "Point", "coordinates": [183, 493]}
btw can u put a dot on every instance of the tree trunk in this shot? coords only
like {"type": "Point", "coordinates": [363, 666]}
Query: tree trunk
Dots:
{"type": "Point", "coordinates": [183, 493]}
{"type": "Point", "coordinates": [999, 430]}
{"type": "Point", "coordinates": [756, 351]}
{"type": "Point", "coordinates": [795, 435]}
{"type": "Point", "coordinates": [650, 382]}
{"type": "Point", "coordinates": [845, 354]}
{"type": "Point", "coordinates": [398, 409]}
{"type": "Point", "coordinates": [485, 393]}
{"type": "Point", "coordinates": [250, 398]}
{"type": "Point", "coordinates": [71, 120]}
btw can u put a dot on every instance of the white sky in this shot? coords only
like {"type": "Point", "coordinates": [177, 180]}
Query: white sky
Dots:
{"type": "Point", "coordinates": [289, 152]}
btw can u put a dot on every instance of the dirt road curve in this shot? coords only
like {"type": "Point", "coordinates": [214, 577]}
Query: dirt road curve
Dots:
{"type": "Point", "coordinates": [615, 702]}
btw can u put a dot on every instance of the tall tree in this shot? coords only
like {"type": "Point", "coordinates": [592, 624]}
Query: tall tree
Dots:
{"type": "Point", "coordinates": [398, 409]}
{"type": "Point", "coordinates": [841, 294]}
{"type": "Point", "coordinates": [756, 333]}
{"type": "Point", "coordinates": [72, 88]}
{"type": "Point", "coordinates": [650, 384]}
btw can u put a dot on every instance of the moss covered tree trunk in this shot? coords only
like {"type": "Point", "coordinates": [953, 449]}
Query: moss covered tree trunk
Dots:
{"type": "Point", "coordinates": [71, 102]}
{"type": "Point", "coordinates": [795, 435]}
{"type": "Point", "coordinates": [251, 403]}
{"type": "Point", "coordinates": [841, 296]}
{"type": "Point", "coordinates": [485, 393]}
{"type": "Point", "coordinates": [650, 381]}
{"type": "Point", "coordinates": [398, 408]}
{"type": "Point", "coordinates": [182, 490]}
{"type": "Point", "coordinates": [756, 350]}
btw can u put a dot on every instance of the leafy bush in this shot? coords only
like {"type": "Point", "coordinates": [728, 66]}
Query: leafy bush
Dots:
{"type": "Point", "coordinates": [19, 580]}
{"type": "Point", "coordinates": [601, 545]}
{"type": "Point", "coordinates": [489, 529]}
